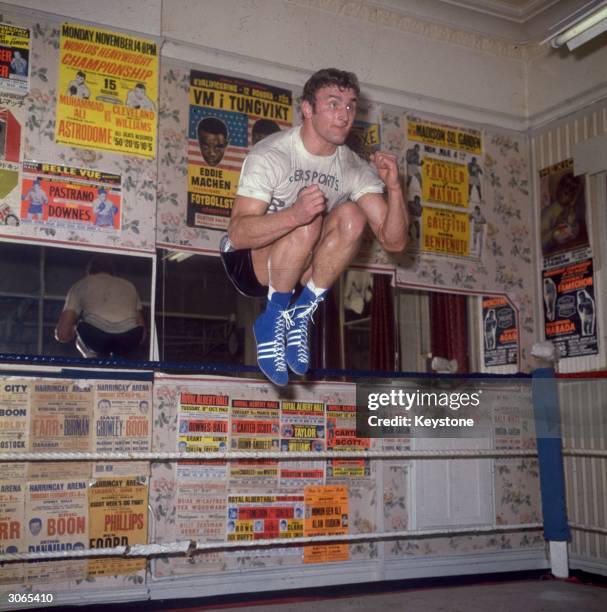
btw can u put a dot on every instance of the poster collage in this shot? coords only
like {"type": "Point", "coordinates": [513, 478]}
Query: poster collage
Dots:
{"type": "Point", "coordinates": [107, 100]}
{"type": "Point", "coordinates": [567, 274]}
{"type": "Point", "coordinates": [68, 506]}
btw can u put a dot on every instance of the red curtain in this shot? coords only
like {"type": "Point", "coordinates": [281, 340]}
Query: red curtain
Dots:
{"type": "Point", "coordinates": [382, 353]}
{"type": "Point", "coordinates": [449, 327]}
{"type": "Point", "coordinates": [324, 334]}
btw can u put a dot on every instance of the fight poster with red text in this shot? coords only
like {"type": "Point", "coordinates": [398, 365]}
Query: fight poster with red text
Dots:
{"type": "Point", "coordinates": [107, 91]}
{"type": "Point", "coordinates": [570, 309]}
{"type": "Point", "coordinates": [82, 199]}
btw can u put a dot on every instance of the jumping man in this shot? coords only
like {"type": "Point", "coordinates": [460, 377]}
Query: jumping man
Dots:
{"type": "Point", "coordinates": [302, 204]}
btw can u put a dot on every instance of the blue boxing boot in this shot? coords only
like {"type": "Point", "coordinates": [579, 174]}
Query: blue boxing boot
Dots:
{"type": "Point", "coordinates": [300, 315]}
{"type": "Point", "coordinates": [270, 336]}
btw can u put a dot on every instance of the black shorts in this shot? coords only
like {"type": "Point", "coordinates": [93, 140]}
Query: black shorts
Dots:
{"type": "Point", "coordinates": [239, 268]}
{"type": "Point", "coordinates": [106, 344]}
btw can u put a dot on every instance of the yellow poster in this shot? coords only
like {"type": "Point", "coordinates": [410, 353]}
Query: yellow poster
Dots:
{"type": "Point", "coordinates": [227, 117]}
{"type": "Point", "coordinates": [118, 513]}
{"type": "Point", "coordinates": [445, 231]}
{"type": "Point", "coordinates": [14, 415]}
{"type": "Point", "coordinates": [445, 182]}
{"type": "Point", "coordinates": [107, 91]}
{"type": "Point", "coordinates": [326, 513]}
{"type": "Point", "coordinates": [444, 136]}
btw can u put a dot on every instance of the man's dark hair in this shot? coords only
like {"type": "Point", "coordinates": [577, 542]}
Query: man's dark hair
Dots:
{"type": "Point", "coordinates": [81, 74]}
{"type": "Point", "coordinates": [211, 125]}
{"type": "Point", "coordinates": [101, 263]}
{"type": "Point", "coordinates": [263, 128]}
{"type": "Point", "coordinates": [326, 77]}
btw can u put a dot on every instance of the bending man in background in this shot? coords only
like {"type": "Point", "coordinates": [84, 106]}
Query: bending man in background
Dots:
{"type": "Point", "coordinates": [103, 313]}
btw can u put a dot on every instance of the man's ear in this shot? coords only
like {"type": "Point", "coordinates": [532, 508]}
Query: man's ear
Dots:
{"type": "Point", "coordinates": [306, 109]}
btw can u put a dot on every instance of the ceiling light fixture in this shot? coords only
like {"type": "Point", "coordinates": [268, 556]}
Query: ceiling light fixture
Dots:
{"type": "Point", "coordinates": [177, 256]}
{"type": "Point", "coordinates": [585, 24]}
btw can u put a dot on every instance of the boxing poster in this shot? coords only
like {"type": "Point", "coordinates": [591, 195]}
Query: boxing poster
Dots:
{"type": "Point", "coordinates": [326, 513]}
{"type": "Point", "coordinates": [302, 428]}
{"type": "Point", "coordinates": [445, 171]}
{"type": "Point", "coordinates": [14, 415]}
{"type": "Point", "coordinates": [122, 417]}
{"type": "Point", "coordinates": [365, 136]}
{"type": "Point", "coordinates": [14, 59]}
{"type": "Point", "coordinates": [12, 508]}
{"type": "Point", "coordinates": [341, 436]}
{"type": "Point", "coordinates": [500, 332]}
{"type": "Point", "coordinates": [445, 231]}
{"type": "Point", "coordinates": [227, 117]}
{"type": "Point", "coordinates": [563, 211]}
{"type": "Point", "coordinates": [118, 516]}
{"type": "Point", "coordinates": [570, 309]}
{"type": "Point", "coordinates": [260, 517]}
{"type": "Point", "coordinates": [61, 415]}
{"type": "Point", "coordinates": [203, 422]}
{"type": "Point", "coordinates": [254, 426]}
{"type": "Point", "coordinates": [10, 167]}
{"type": "Point", "coordinates": [56, 515]}
{"type": "Point", "coordinates": [107, 91]}
{"type": "Point", "coordinates": [80, 199]}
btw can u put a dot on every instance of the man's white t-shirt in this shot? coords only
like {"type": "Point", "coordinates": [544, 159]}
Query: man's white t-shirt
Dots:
{"type": "Point", "coordinates": [279, 167]}
{"type": "Point", "coordinates": [107, 302]}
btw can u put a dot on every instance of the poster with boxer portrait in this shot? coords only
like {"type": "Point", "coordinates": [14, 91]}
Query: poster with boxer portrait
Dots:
{"type": "Point", "coordinates": [227, 116]}
{"type": "Point", "coordinates": [570, 309]}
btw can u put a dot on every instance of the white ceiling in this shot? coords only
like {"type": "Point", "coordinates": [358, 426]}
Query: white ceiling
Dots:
{"type": "Point", "coordinates": [516, 21]}
{"type": "Point", "coordinates": [514, 10]}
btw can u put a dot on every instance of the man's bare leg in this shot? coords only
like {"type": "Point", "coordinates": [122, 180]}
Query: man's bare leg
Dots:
{"type": "Point", "coordinates": [280, 266]}
{"type": "Point", "coordinates": [338, 245]}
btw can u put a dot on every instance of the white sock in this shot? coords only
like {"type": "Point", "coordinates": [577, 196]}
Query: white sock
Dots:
{"type": "Point", "coordinates": [272, 291]}
{"type": "Point", "coordinates": [317, 291]}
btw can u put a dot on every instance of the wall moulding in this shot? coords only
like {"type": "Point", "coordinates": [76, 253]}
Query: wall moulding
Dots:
{"type": "Point", "coordinates": [389, 18]}
{"type": "Point", "coordinates": [281, 74]}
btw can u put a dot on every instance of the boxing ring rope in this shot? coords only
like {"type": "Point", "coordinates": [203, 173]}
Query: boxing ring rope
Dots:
{"type": "Point", "coordinates": [585, 452]}
{"type": "Point", "coordinates": [191, 547]}
{"type": "Point", "coordinates": [283, 456]}
{"type": "Point", "coordinates": [588, 528]}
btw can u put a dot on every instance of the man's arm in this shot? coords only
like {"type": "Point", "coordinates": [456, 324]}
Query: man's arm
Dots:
{"type": "Point", "coordinates": [66, 326]}
{"type": "Point", "coordinates": [251, 228]}
{"type": "Point", "coordinates": [388, 218]}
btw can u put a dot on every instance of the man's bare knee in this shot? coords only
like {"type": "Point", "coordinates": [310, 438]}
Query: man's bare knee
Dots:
{"type": "Point", "coordinates": [306, 236]}
{"type": "Point", "coordinates": [350, 222]}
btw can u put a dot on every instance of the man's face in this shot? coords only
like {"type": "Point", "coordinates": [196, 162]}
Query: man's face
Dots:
{"type": "Point", "coordinates": [333, 113]}
{"type": "Point", "coordinates": [212, 147]}
{"type": "Point", "coordinates": [139, 92]}
{"type": "Point", "coordinates": [79, 79]}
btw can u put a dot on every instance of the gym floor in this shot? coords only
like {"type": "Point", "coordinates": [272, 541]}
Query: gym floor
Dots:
{"type": "Point", "coordinates": [520, 592]}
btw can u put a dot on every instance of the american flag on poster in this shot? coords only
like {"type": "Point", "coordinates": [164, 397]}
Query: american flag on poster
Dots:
{"type": "Point", "coordinates": [227, 116]}
{"type": "Point", "coordinates": [239, 135]}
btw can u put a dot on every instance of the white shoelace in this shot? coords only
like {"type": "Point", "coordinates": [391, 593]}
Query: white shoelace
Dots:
{"type": "Point", "coordinates": [280, 328]}
{"type": "Point", "coordinates": [290, 318]}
